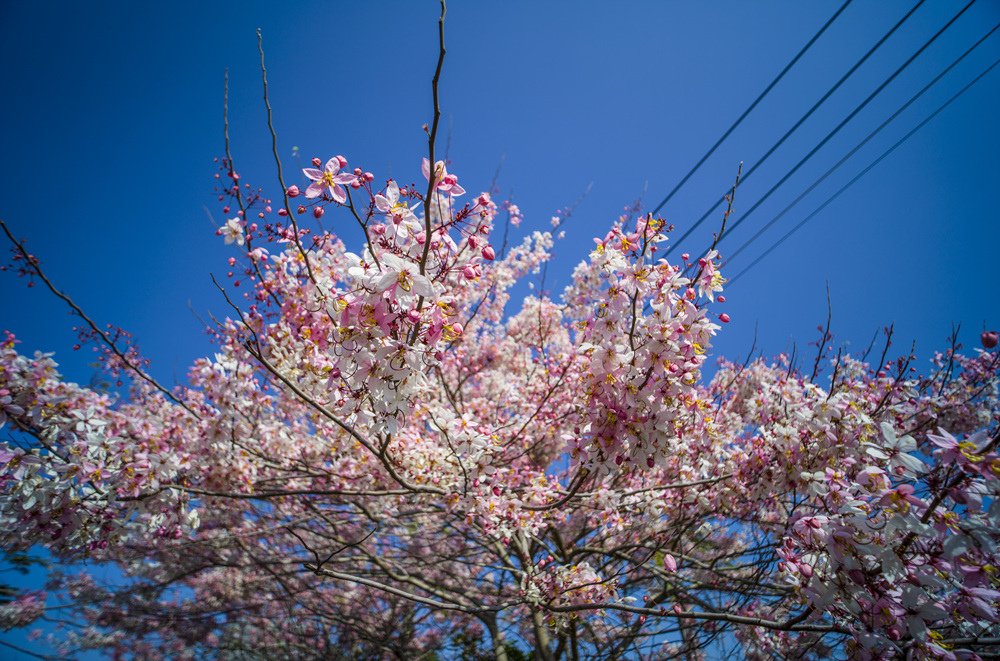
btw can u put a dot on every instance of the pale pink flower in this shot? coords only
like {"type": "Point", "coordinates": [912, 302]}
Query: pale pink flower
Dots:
{"type": "Point", "coordinates": [232, 232]}
{"type": "Point", "coordinates": [444, 182]}
{"type": "Point", "coordinates": [398, 273]}
{"type": "Point", "coordinates": [328, 180]}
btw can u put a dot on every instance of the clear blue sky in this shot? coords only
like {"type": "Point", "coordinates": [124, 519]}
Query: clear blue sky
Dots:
{"type": "Point", "coordinates": [112, 114]}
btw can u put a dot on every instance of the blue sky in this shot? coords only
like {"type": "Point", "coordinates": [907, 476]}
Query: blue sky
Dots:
{"type": "Point", "coordinates": [113, 113]}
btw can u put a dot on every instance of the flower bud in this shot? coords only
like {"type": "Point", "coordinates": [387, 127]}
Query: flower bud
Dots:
{"type": "Point", "coordinates": [488, 253]}
{"type": "Point", "coordinates": [293, 191]}
{"type": "Point", "coordinates": [318, 212]}
{"type": "Point", "coordinates": [989, 339]}
{"type": "Point", "coordinates": [316, 162]}
{"type": "Point", "coordinates": [724, 318]}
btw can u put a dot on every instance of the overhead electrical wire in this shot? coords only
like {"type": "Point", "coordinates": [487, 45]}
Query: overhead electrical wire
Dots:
{"type": "Point", "coordinates": [801, 120]}
{"type": "Point", "coordinates": [861, 106]}
{"type": "Point", "coordinates": [861, 174]}
{"type": "Point", "coordinates": [753, 105]}
{"type": "Point", "coordinates": [861, 144]}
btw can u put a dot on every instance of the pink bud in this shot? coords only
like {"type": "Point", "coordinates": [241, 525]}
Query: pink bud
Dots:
{"type": "Point", "coordinates": [669, 562]}
{"type": "Point", "coordinates": [225, 209]}
{"type": "Point", "coordinates": [686, 256]}
{"type": "Point", "coordinates": [650, 462]}
{"type": "Point", "coordinates": [355, 184]}
{"type": "Point", "coordinates": [721, 298]}
{"type": "Point", "coordinates": [316, 162]}
{"type": "Point", "coordinates": [703, 262]}
{"type": "Point", "coordinates": [318, 212]}
{"type": "Point", "coordinates": [341, 160]}
{"type": "Point", "coordinates": [489, 254]}
{"type": "Point", "coordinates": [724, 318]}
{"type": "Point", "coordinates": [989, 339]}
{"type": "Point", "coordinates": [469, 272]}
{"type": "Point", "coordinates": [369, 176]}
{"type": "Point", "coordinates": [301, 209]}
{"type": "Point", "coordinates": [413, 316]}
{"type": "Point", "coordinates": [282, 212]}
{"type": "Point", "coordinates": [293, 191]}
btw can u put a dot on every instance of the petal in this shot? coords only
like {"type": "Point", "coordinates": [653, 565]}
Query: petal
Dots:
{"type": "Point", "coordinates": [338, 194]}
{"type": "Point", "coordinates": [382, 204]}
{"type": "Point", "coordinates": [457, 190]}
{"type": "Point", "coordinates": [313, 173]}
{"type": "Point", "coordinates": [315, 190]}
{"type": "Point", "coordinates": [345, 178]}
{"type": "Point", "coordinates": [422, 286]}
{"type": "Point", "coordinates": [425, 167]}
{"type": "Point", "coordinates": [333, 165]}
{"type": "Point", "coordinates": [388, 279]}
{"type": "Point", "coordinates": [392, 192]}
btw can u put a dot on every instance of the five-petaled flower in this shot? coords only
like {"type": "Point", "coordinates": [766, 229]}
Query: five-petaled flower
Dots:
{"type": "Point", "coordinates": [329, 179]}
{"type": "Point", "coordinates": [232, 232]}
{"type": "Point", "coordinates": [403, 218]}
{"type": "Point", "coordinates": [398, 273]}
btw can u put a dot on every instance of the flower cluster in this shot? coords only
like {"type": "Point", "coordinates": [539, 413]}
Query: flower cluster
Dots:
{"type": "Point", "coordinates": [381, 431]}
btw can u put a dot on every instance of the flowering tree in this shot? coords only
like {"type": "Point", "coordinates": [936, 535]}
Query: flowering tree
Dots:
{"type": "Point", "coordinates": [386, 458]}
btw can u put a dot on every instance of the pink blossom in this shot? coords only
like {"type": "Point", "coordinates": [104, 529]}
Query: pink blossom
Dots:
{"type": "Point", "coordinates": [328, 180]}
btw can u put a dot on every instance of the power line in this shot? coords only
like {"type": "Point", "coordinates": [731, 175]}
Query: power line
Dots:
{"type": "Point", "coordinates": [753, 105]}
{"type": "Point", "coordinates": [863, 172]}
{"type": "Point", "coordinates": [852, 115]}
{"type": "Point", "coordinates": [799, 123]}
{"type": "Point", "coordinates": [861, 144]}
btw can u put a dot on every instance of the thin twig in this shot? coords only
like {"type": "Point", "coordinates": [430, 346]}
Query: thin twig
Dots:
{"type": "Point", "coordinates": [33, 265]}
{"type": "Point", "coordinates": [277, 159]}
